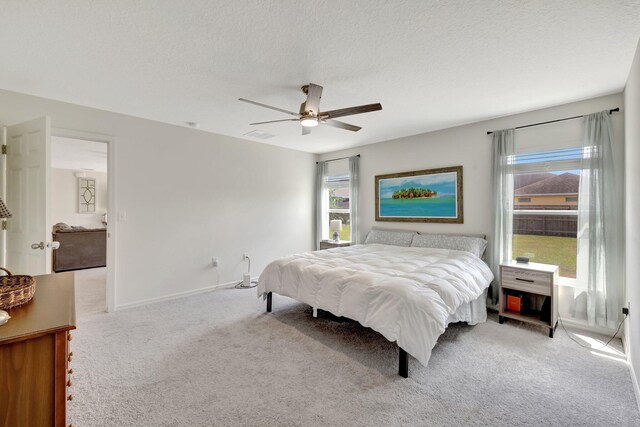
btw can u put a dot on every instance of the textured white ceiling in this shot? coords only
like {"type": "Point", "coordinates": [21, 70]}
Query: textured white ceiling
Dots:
{"type": "Point", "coordinates": [432, 64]}
{"type": "Point", "coordinates": [79, 155]}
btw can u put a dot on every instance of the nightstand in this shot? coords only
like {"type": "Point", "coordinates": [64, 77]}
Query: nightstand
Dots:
{"type": "Point", "coordinates": [328, 244]}
{"type": "Point", "coordinates": [529, 293]}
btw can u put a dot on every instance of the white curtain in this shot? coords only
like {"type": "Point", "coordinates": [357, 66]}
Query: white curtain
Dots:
{"type": "Point", "coordinates": [354, 179]}
{"type": "Point", "coordinates": [321, 200]}
{"type": "Point", "coordinates": [598, 264]}
{"type": "Point", "coordinates": [502, 178]}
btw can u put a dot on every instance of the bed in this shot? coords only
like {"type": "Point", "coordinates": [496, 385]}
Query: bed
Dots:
{"type": "Point", "coordinates": [408, 287]}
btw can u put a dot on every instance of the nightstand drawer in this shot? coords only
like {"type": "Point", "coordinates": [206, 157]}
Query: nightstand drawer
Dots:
{"type": "Point", "coordinates": [526, 276]}
{"type": "Point", "coordinates": [329, 244]}
{"type": "Point", "coordinates": [538, 282]}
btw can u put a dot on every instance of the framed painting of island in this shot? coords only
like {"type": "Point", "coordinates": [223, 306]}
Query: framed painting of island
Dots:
{"type": "Point", "coordinates": [432, 195]}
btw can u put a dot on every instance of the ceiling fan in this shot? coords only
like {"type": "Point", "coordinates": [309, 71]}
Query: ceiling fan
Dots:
{"type": "Point", "coordinates": [310, 114]}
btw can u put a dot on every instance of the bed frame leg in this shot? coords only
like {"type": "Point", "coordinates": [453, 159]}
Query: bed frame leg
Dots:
{"type": "Point", "coordinates": [403, 366]}
{"type": "Point", "coordinates": [269, 298]}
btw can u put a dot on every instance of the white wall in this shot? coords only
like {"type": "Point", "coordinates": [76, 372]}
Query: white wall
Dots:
{"type": "Point", "coordinates": [64, 192]}
{"type": "Point", "coordinates": [189, 195]}
{"type": "Point", "coordinates": [632, 184]}
{"type": "Point", "coordinates": [469, 146]}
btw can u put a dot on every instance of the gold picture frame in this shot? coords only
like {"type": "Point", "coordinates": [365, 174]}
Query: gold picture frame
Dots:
{"type": "Point", "coordinates": [429, 195]}
{"type": "Point", "coordinates": [86, 195]}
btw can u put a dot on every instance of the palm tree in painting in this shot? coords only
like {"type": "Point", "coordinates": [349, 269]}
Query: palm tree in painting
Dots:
{"type": "Point", "coordinates": [412, 192]}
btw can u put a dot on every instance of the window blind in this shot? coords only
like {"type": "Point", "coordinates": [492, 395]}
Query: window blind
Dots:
{"type": "Point", "coordinates": [552, 160]}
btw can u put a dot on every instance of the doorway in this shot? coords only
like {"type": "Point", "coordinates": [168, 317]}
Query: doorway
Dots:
{"type": "Point", "coordinates": [95, 286]}
{"type": "Point", "coordinates": [79, 211]}
{"type": "Point", "coordinates": [26, 238]}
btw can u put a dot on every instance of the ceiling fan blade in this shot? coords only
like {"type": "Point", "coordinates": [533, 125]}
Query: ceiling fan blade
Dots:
{"type": "Point", "coordinates": [314, 93]}
{"type": "Point", "coordinates": [341, 125]}
{"type": "Point", "coordinates": [274, 121]}
{"type": "Point", "coordinates": [269, 107]}
{"type": "Point", "coordinates": [306, 130]}
{"type": "Point", "coordinates": [350, 111]}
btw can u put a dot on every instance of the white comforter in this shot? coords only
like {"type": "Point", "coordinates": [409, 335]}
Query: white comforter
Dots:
{"type": "Point", "coordinates": [406, 294]}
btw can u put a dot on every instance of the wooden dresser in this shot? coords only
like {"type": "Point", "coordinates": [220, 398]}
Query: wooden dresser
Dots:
{"type": "Point", "coordinates": [35, 354]}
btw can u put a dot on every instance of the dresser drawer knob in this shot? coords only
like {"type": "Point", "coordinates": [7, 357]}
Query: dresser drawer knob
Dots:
{"type": "Point", "coordinates": [69, 336]}
{"type": "Point", "coordinates": [69, 383]}
{"type": "Point", "coordinates": [70, 357]}
{"type": "Point", "coordinates": [70, 371]}
{"type": "Point", "coordinates": [70, 397]}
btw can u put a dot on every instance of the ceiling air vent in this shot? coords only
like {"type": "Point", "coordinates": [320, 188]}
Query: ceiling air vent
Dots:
{"type": "Point", "coordinates": [259, 134]}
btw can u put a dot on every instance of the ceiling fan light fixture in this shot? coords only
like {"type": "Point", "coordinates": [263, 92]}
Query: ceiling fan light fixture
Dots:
{"type": "Point", "coordinates": [309, 122]}
{"type": "Point", "coordinates": [310, 115]}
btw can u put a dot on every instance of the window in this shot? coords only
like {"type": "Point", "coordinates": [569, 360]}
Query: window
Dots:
{"type": "Point", "coordinates": [545, 216]}
{"type": "Point", "coordinates": [338, 206]}
{"type": "Point", "coordinates": [337, 198]}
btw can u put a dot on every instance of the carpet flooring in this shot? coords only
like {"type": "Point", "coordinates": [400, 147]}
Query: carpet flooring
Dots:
{"type": "Point", "coordinates": [91, 290]}
{"type": "Point", "coordinates": [217, 359]}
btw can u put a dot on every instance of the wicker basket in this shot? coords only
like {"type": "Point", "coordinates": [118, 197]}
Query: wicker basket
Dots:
{"type": "Point", "coordinates": [15, 290]}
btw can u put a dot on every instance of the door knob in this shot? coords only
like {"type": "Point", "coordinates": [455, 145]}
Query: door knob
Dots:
{"type": "Point", "coordinates": [42, 245]}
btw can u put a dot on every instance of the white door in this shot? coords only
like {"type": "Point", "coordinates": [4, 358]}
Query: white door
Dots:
{"type": "Point", "coordinates": [28, 197]}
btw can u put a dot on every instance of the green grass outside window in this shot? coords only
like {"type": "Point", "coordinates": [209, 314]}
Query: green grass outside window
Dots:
{"type": "Point", "coordinates": [560, 251]}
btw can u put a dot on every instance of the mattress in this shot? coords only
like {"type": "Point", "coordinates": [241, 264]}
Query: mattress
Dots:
{"type": "Point", "coordinates": [407, 294]}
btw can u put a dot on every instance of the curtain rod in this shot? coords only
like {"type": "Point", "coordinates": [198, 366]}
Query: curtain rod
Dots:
{"type": "Point", "coordinates": [339, 158]}
{"type": "Point", "coordinates": [611, 111]}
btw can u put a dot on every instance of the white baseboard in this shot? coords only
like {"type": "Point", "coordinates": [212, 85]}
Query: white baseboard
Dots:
{"type": "Point", "coordinates": [176, 295]}
{"type": "Point", "coordinates": [632, 372]}
{"type": "Point", "coordinates": [582, 325]}
{"type": "Point", "coordinates": [634, 381]}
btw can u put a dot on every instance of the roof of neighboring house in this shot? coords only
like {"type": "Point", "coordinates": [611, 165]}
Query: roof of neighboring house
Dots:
{"type": "Point", "coordinates": [342, 192]}
{"type": "Point", "coordinates": [567, 183]}
{"type": "Point", "coordinates": [523, 179]}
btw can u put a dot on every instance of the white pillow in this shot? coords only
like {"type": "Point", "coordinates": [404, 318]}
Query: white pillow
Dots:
{"type": "Point", "coordinates": [390, 237]}
{"type": "Point", "coordinates": [474, 245]}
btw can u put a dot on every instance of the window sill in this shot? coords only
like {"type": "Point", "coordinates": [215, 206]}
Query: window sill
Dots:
{"type": "Point", "coordinates": [567, 281]}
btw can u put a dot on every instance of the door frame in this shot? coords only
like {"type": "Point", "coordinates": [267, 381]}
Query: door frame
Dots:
{"type": "Point", "coordinates": [111, 203]}
{"type": "Point", "coordinates": [3, 193]}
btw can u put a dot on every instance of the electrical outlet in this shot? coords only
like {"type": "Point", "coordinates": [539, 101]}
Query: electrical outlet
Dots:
{"type": "Point", "coordinates": [625, 310]}
{"type": "Point", "coordinates": [245, 257]}
{"type": "Point", "coordinates": [215, 261]}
